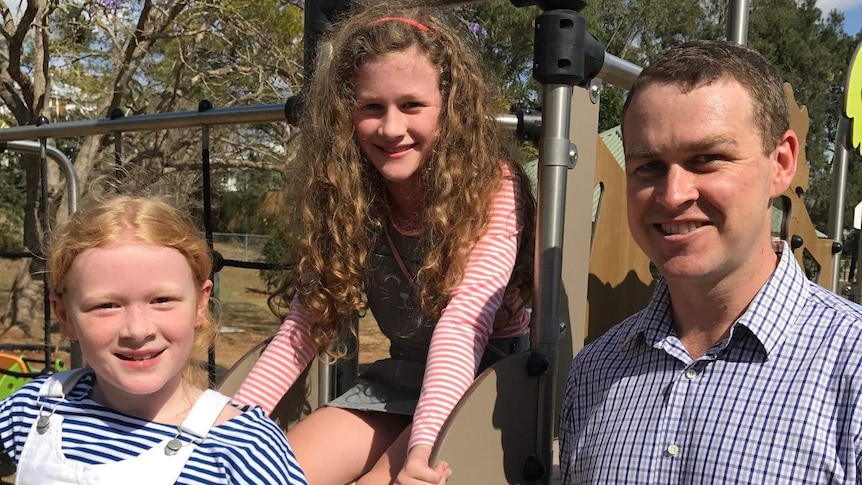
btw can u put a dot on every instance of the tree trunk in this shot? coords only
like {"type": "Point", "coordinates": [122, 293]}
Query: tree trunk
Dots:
{"type": "Point", "coordinates": [26, 304]}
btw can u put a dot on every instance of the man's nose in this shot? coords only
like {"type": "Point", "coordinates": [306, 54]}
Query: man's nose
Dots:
{"type": "Point", "coordinates": [679, 187]}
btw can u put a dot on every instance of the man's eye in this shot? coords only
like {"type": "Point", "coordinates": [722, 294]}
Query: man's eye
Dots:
{"type": "Point", "coordinates": [705, 162]}
{"type": "Point", "coordinates": [650, 168]}
{"type": "Point", "coordinates": [646, 171]}
{"type": "Point", "coordinates": [708, 158]}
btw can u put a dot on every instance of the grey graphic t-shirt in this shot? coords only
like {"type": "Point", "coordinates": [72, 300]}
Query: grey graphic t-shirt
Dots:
{"type": "Point", "coordinates": [393, 300]}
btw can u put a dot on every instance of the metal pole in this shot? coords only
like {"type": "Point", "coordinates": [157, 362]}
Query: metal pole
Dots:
{"type": "Point", "coordinates": [325, 379]}
{"type": "Point", "coordinates": [840, 161]}
{"type": "Point", "coordinates": [554, 158]}
{"type": "Point", "coordinates": [54, 154]}
{"type": "Point", "coordinates": [204, 106]}
{"type": "Point", "coordinates": [43, 212]}
{"type": "Point", "coordinates": [32, 147]}
{"type": "Point", "coordinates": [564, 56]}
{"type": "Point", "coordinates": [318, 16]}
{"type": "Point", "coordinates": [118, 145]}
{"type": "Point", "coordinates": [237, 115]}
{"type": "Point", "coordinates": [737, 21]}
{"type": "Point", "coordinates": [857, 287]}
{"type": "Point", "coordinates": [619, 72]}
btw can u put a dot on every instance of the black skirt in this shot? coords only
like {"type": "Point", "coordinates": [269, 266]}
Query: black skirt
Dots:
{"type": "Point", "coordinates": [393, 385]}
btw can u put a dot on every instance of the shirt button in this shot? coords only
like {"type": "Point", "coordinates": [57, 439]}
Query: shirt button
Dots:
{"type": "Point", "coordinates": [691, 373]}
{"type": "Point", "coordinates": [673, 450]}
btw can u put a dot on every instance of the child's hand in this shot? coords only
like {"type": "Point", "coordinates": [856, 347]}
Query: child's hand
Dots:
{"type": "Point", "coordinates": [417, 470]}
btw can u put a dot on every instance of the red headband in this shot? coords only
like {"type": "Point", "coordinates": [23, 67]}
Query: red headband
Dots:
{"type": "Point", "coordinates": [403, 20]}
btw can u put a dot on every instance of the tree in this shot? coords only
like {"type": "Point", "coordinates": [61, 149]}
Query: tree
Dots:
{"type": "Point", "coordinates": [633, 30]}
{"type": "Point", "coordinates": [503, 37]}
{"type": "Point", "coordinates": [811, 51]}
{"type": "Point", "coordinates": [144, 57]}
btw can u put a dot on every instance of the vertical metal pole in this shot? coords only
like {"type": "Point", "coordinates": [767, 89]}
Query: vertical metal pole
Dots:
{"type": "Point", "coordinates": [43, 214]}
{"type": "Point", "coordinates": [205, 105]}
{"type": "Point", "coordinates": [564, 56]}
{"type": "Point", "coordinates": [118, 153]}
{"type": "Point", "coordinates": [554, 150]}
{"type": "Point", "coordinates": [32, 147]}
{"type": "Point", "coordinates": [835, 227]}
{"type": "Point", "coordinates": [737, 21]}
{"type": "Point", "coordinates": [315, 24]}
{"type": "Point", "coordinates": [857, 287]}
{"type": "Point", "coordinates": [318, 14]}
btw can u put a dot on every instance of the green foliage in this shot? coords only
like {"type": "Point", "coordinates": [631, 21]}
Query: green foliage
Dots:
{"type": "Point", "coordinates": [611, 107]}
{"type": "Point", "coordinates": [503, 36]}
{"type": "Point", "coordinates": [263, 35]}
{"type": "Point", "coordinates": [239, 199]}
{"type": "Point", "coordinates": [145, 57]}
{"type": "Point", "coordinates": [277, 249]}
{"type": "Point", "coordinates": [11, 205]}
{"type": "Point", "coordinates": [810, 48]}
{"type": "Point", "coordinates": [813, 54]}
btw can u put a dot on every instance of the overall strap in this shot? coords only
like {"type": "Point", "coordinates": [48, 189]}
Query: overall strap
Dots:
{"type": "Point", "coordinates": [204, 413]}
{"type": "Point", "coordinates": [59, 384]}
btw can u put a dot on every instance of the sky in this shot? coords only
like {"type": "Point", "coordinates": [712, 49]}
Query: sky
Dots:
{"type": "Point", "coordinates": [852, 12]}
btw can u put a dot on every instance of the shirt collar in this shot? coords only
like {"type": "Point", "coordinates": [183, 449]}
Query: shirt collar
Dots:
{"type": "Point", "coordinates": [654, 323]}
{"type": "Point", "coordinates": [777, 306]}
{"type": "Point", "coordinates": [769, 316]}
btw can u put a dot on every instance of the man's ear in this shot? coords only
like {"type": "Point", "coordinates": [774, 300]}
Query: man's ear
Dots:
{"type": "Point", "coordinates": [59, 309]}
{"type": "Point", "coordinates": [784, 158]}
{"type": "Point", "coordinates": [204, 300]}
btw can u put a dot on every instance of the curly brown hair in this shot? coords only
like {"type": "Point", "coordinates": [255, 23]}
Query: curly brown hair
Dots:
{"type": "Point", "coordinates": [343, 206]}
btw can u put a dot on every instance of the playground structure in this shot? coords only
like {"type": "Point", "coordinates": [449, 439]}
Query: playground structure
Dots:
{"type": "Point", "coordinates": [502, 429]}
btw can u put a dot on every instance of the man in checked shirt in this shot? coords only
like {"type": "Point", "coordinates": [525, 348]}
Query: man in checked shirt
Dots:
{"type": "Point", "coordinates": [739, 370]}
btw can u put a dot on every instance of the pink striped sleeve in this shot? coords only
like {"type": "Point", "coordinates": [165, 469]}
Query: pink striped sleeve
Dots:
{"type": "Point", "coordinates": [281, 363]}
{"type": "Point", "coordinates": [467, 321]}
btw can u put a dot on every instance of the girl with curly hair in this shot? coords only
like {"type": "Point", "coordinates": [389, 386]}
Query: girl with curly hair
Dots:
{"type": "Point", "coordinates": [411, 209]}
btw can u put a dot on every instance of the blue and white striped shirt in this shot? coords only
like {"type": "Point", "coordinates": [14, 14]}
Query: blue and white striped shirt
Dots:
{"type": "Point", "coordinates": [778, 401]}
{"type": "Point", "coordinates": [247, 449]}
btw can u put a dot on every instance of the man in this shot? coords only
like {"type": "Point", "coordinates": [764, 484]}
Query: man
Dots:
{"type": "Point", "coordinates": [739, 370]}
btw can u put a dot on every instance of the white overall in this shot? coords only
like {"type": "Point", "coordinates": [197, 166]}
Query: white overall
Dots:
{"type": "Point", "coordinates": [43, 462]}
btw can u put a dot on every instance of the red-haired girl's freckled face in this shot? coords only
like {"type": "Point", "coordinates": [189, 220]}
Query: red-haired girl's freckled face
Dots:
{"type": "Point", "coordinates": [397, 113]}
{"type": "Point", "coordinates": [134, 308]}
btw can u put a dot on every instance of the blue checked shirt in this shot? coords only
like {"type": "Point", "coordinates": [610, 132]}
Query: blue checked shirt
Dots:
{"type": "Point", "coordinates": [777, 401]}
